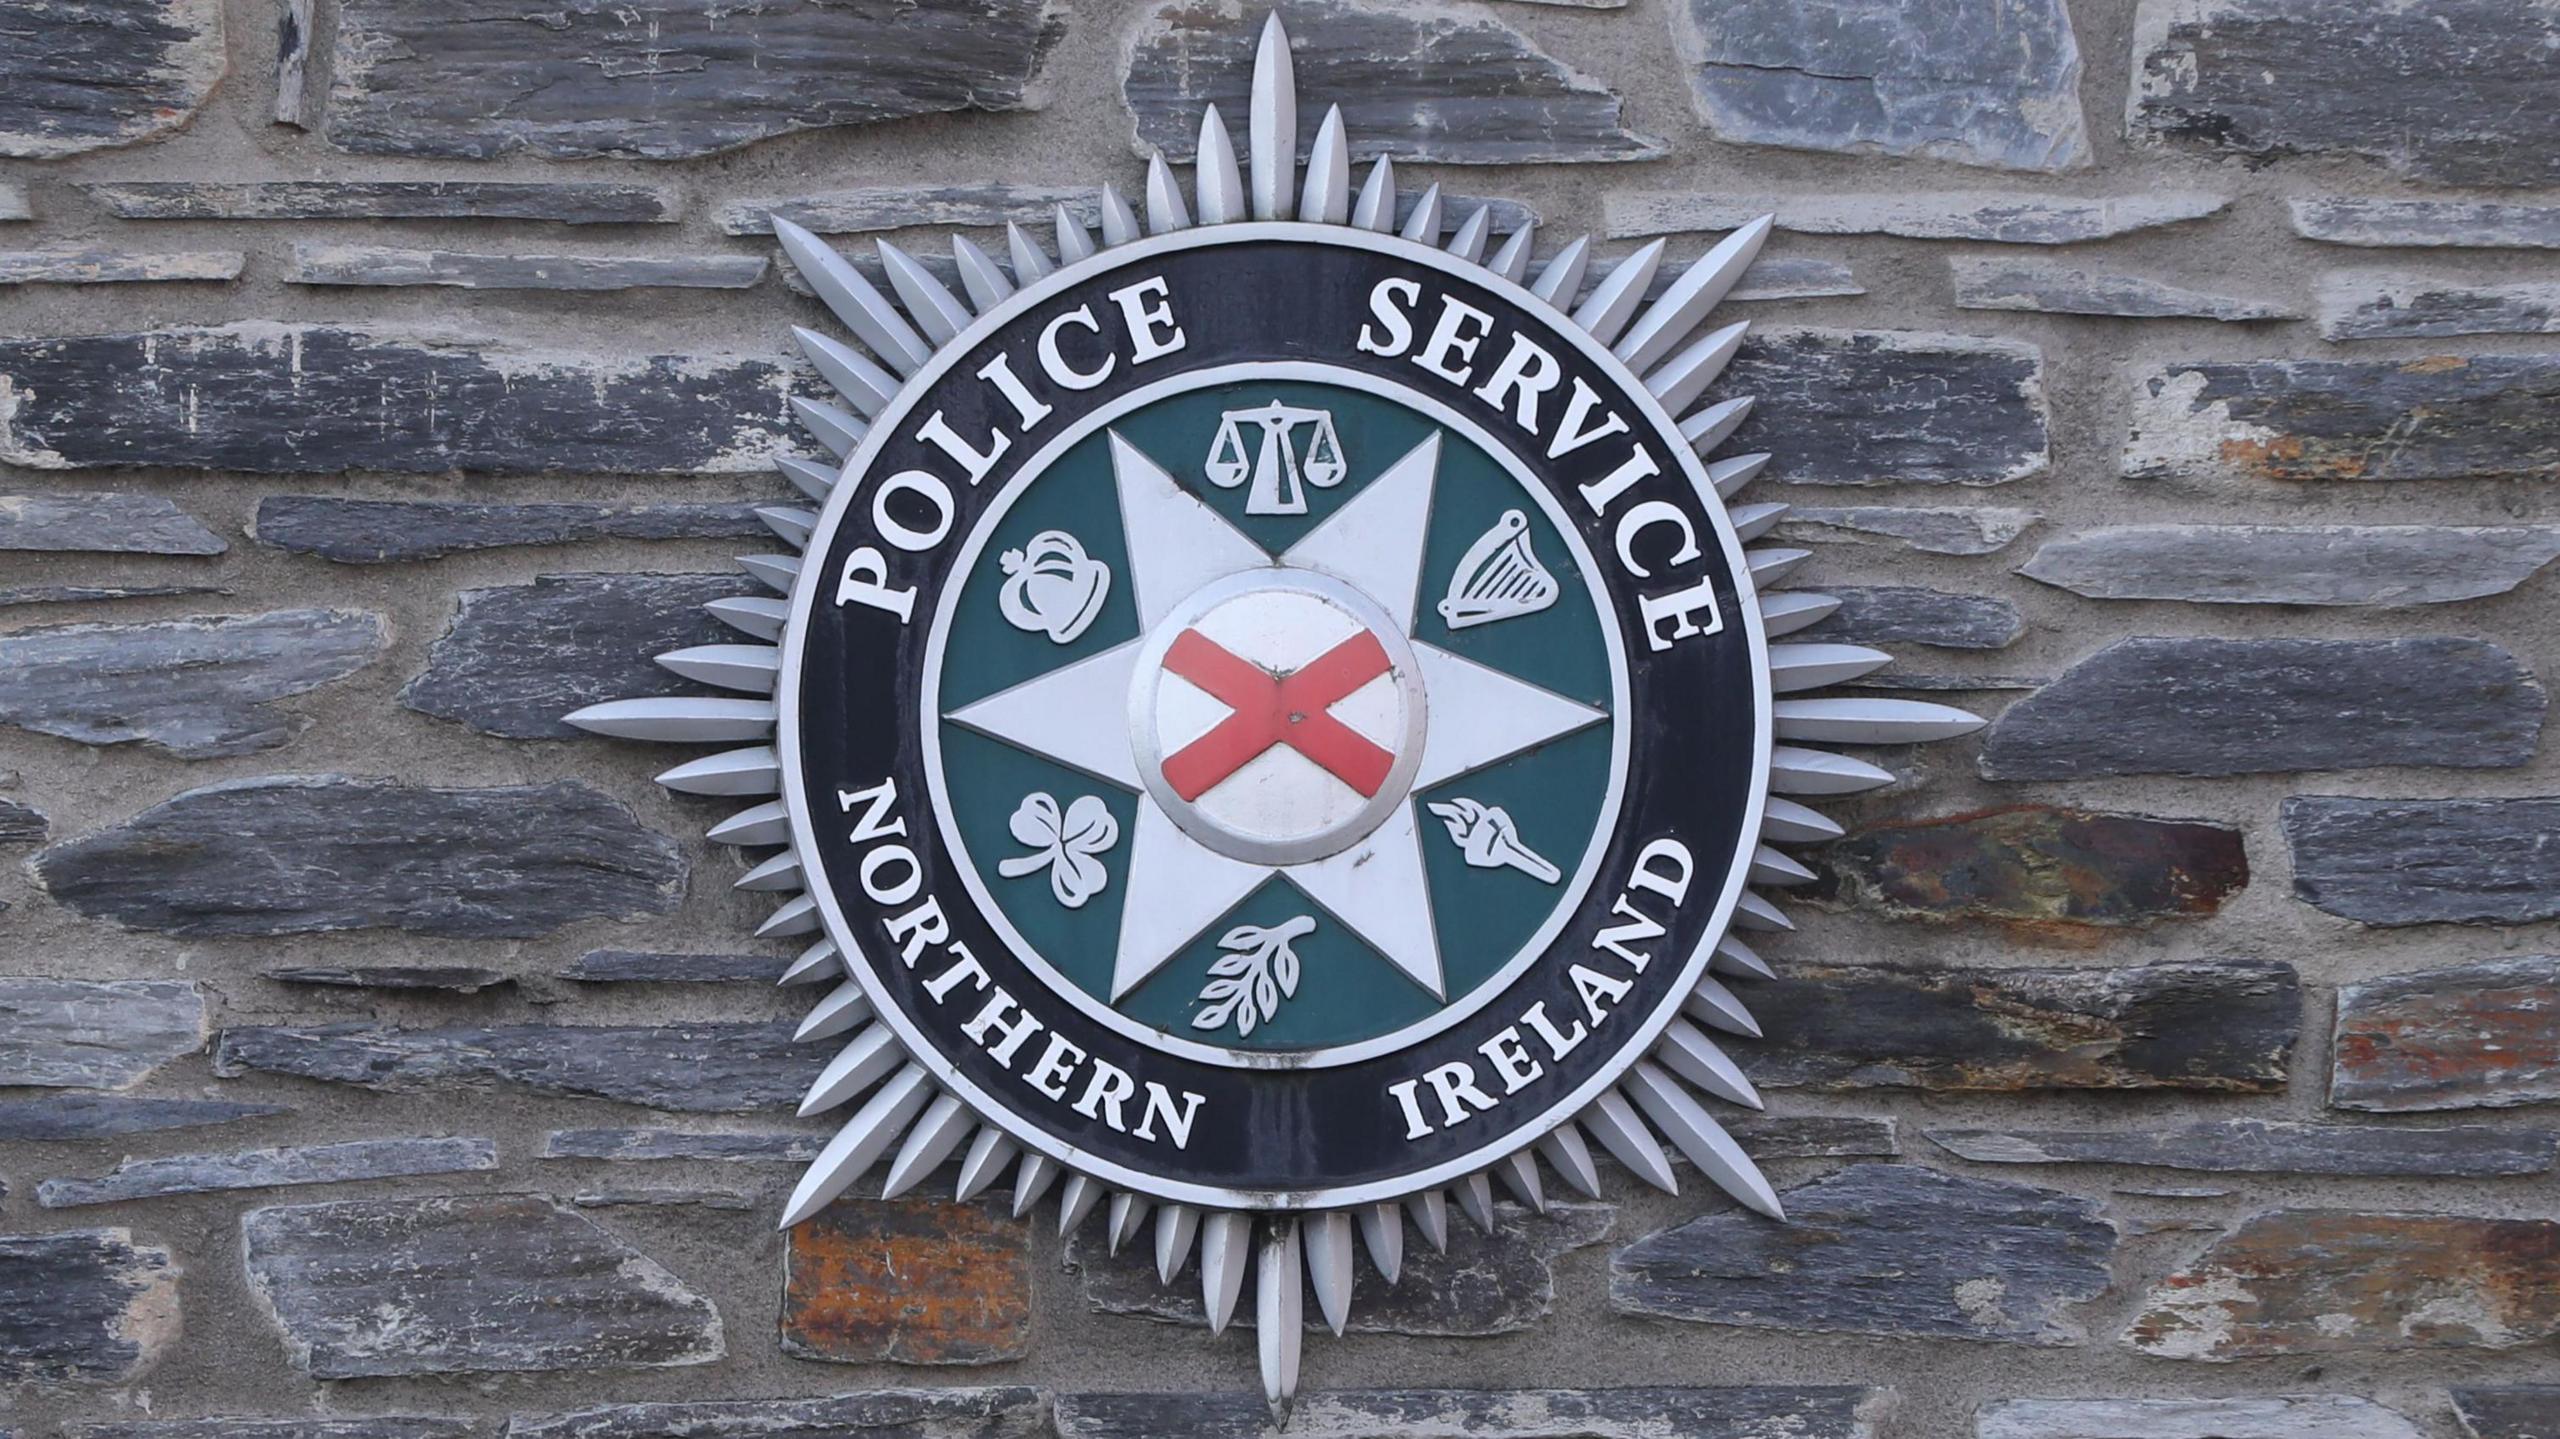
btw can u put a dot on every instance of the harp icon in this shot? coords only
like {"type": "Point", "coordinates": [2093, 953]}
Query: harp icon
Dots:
{"type": "Point", "coordinates": [1499, 577]}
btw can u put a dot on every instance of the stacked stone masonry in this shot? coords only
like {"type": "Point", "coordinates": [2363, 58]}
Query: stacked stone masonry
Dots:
{"type": "Point", "coordinates": [2176, 382]}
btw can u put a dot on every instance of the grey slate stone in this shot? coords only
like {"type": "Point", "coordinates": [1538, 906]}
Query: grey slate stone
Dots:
{"type": "Point", "coordinates": [199, 688]}
{"type": "Point", "coordinates": [2456, 92]}
{"type": "Point", "coordinates": [578, 202]}
{"type": "Point", "coordinates": [2010, 218]}
{"type": "Point", "coordinates": [84, 1306]}
{"type": "Point", "coordinates": [13, 204]}
{"type": "Point", "coordinates": [864, 208]}
{"type": "Point", "coordinates": [58, 1117]}
{"type": "Point", "coordinates": [477, 79]}
{"type": "Point", "coordinates": [108, 524]}
{"type": "Point", "coordinates": [366, 1426]}
{"type": "Point", "coordinates": [2049, 287]}
{"type": "Point", "coordinates": [108, 267]}
{"type": "Point", "coordinates": [271, 1169]}
{"type": "Point", "coordinates": [753, 1147]}
{"type": "Point", "coordinates": [82, 75]}
{"type": "Point", "coordinates": [1815, 1136]}
{"type": "Point", "coordinates": [2260, 1146]}
{"type": "Point", "coordinates": [2426, 861]}
{"type": "Point", "coordinates": [382, 265]}
{"type": "Point", "coordinates": [1913, 614]}
{"type": "Point", "coordinates": [699, 1066]}
{"type": "Point", "coordinates": [1931, 530]}
{"type": "Point", "coordinates": [1992, 83]}
{"type": "Point", "coordinates": [95, 594]}
{"type": "Point", "coordinates": [2249, 1416]}
{"type": "Point", "coordinates": [1485, 1285]}
{"type": "Point", "coordinates": [2483, 1035]}
{"type": "Point", "coordinates": [2201, 706]}
{"type": "Point", "coordinates": [2365, 305]}
{"type": "Point", "coordinates": [1758, 1412]}
{"type": "Point", "coordinates": [364, 532]}
{"type": "Point", "coordinates": [2508, 1411]}
{"type": "Point", "coordinates": [1889, 1249]}
{"type": "Point", "coordinates": [664, 1198]}
{"type": "Point", "coordinates": [477, 1284]}
{"type": "Point", "coordinates": [308, 854]}
{"type": "Point", "coordinates": [1776, 277]}
{"type": "Point", "coordinates": [2379, 565]}
{"type": "Point", "coordinates": [937, 1413]}
{"type": "Point", "coordinates": [1891, 407]}
{"type": "Point", "coordinates": [94, 1033]}
{"type": "Point", "coordinates": [293, 60]}
{"type": "Point", "coordinates": [2358, 220]}
{"type": "Point", "coordinates": [20, 824]}
{"type": "Point", "coordinates": [623, 966]}
{"type": "Point", "coordinates": [267, 398]}
{"type": "Point", "coordinates": [1446, 87]}
{"type": "Point", "coordinates": [2481, 417]}
{"type": "Point", "coordinates": [518, 657]}
{"type": "Point", "coordinates": [451, 978]}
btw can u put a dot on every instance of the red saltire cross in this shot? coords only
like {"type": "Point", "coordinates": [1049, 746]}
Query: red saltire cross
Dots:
{"type": "Point", "coordinates": [1290, 710]}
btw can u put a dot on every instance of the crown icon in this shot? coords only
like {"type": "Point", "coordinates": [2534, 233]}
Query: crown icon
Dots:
{"type": "Point", "coordinates": [1053, 587]}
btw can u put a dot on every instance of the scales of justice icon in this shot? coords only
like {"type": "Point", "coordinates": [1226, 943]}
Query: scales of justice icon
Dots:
{"type": "Point", "coordinates": [1279, 476]}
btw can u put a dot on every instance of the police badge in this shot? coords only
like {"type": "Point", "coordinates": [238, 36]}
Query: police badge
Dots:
{"type": "Point", "coordinates": [1273, 721]}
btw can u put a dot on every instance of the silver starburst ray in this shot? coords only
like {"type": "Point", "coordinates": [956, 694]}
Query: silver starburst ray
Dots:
{"type": "Point", "coordinates": [898, 1118]}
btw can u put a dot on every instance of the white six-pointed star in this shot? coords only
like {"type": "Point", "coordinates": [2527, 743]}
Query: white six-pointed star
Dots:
{"type": "Point", "coordinates": [1279, 799]}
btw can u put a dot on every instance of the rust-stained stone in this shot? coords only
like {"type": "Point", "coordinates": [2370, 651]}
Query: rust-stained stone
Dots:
{"type": "Point", "coordinates": [2508, 1411]}
{"type": "Point", "coordinates": [2312, 1281]}
{"type": "Point", "coordinates": [2040, 865]}
{"type": "Point", "coordinates": [2442, 417]}
{"type": "Point", "coordinates": [2463, 1036]}
{"type": "Point", "coordinates": [908, 1281]}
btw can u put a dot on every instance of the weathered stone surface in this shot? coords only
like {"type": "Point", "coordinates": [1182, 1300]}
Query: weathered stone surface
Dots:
{"type": "Point", "coordinates": [2355, 220]}
{"type": "Point", "coordinates": [1993, 83]}
{"type": "Point", "coordinates": [86, 74]}
{"type": "Point", "coordinates": [364, 532]}
{"type": "Point", "coordinates": [2383, 565]}
{"type": "Point", "coordinates": [1497, 1284]}
{"type": "Point", "coordinates": [2363, 305]}
{"type": "Point", "coordinates": [198, 688]}
{"type": "Point", "coordinates": [94, 1034]}
{"type": "Point", "coordinates": [109, 267]}
{"type": "Point", "coordinates": [452, 978]}
{"type": "Point", "coordinates": [936, 1413]}
{"type": "Point", "coordinates": [2224, 1025]}
{"type": "Point", "coordinates": [2272, 1416]}
{"type": "Point", "coordinates": [2457, 92]}
{"type": "Point", "coordinates": [756, 1147]}
{"type": "Point", "coordinates": [565, 202]}
{"type": "Point", "coordinates": [20, 824]}
{"type": "Point", "coordinates": [1776, 277]}
{"type": "Point", "coordinates": [2426, 861]}
{"type": "Point", "coordinates": [2311, 1281]}
{"type": "Point", "coordinates": [1815, 1136]}
{"type": "Point", "coordinates": [93, 594]}
{"type": "Point", "coordinates": [868, 208]}
{"type": "Point", "coordinates": [2039, 866]}
{"type": "Point", "coordinates": [370, 1426]}
{"type": "Point", "coordinates": [2484, 1035]}
{"type": "Point", "coordinates": [1438, 85]}
{"type": "Point", "coordinates": [270, 398]}
{"type": "Point", "coordinates": [302, 854]}
{"type": "Point", "coordinates": [84, 1306]}
{"type": "Point", "coordinates": [1759, 1412]}
{"type": "Point", "coordinates": [1929, 529]}
{"type": "Point", "coordinates": [13, 204]}
{"type": "Point", "coordinates": [271, 1169]}
{"type": "Point", "coordinates": [913, 1281]}
{"type": "Point", "coordinates": [2050, 287]}
{"type": "Point", "coordinates": [2485, 417]}
{"type": "Point", "coordinates": [1892, 407]}
{"type": "Point", "coordinates": [623, 966]}
{"type": "Point", "coordinates": [104, 1116]}
{"type": "Point", "coordinates": [2508, 1411]}
{"type": "Point", "coordinates": [104, 525]}
{"type": "Point", "coordinates": [1916, 682]}
{"type": "Point", "coordinates": [477, 1284]}
{"type": "Point", "coordinates": [1912, 614]}
{"type": "Point", "coordinates": [1882, 1249]}
{"type": "Point", "coordinates": [518, 657]}
{"type": "Point", "coordinates": [677, 78]}
{"type": "Point", "coordinates": [293, 61]}
{"type": "Point", "coordinates": [700, 1067]}
{"type": "Point", "coordinates": [2199, 706]}
{"type": "Point", "coordinates": [382, 265]}
{"type": "Point", "coordinates": [1997, 216]}
{"type": "Point", "coordinates": [669, 1198]}
{"type": "Point", "coordinates": [2261, 1146]}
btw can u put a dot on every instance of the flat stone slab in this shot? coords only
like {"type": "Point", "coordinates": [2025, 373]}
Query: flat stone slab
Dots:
{"type": "Point", "coordinates": [2038, 866]}
{"type": "Point", "coordinates": [271, 1169]}
{"type": "Point", "coordinates": [2366, 565]}
{"type": "Point", "coordinates": [268, 398]}
{"type": "Point", "coordinates": [477, 79]}
{"type": "Point", "coordinates": [1814, 1136]}
{"type": "Point", "coordinates": [1012, 1412]}
{"type": "Point", "coordinates": [865, 208]}
{"type": "Point", "coordinates": [2483, 1035]}
{"type": "Point", "coordinates": [13, 205]}
{"type": "Point", "coordinates": [93, 1033]}
{"type": "Point", "coordinates": [2201, 706]}
{"type": "Point", "coordinates": [371, 532]}
{"type": "Point", "coordinates": [2313, 1281]}
{"type": "Point", "coordinates": [2508, 1411]}
{"type": "Point", "coordinates": [2362, 305]}
{"type": "Point", "coordinates": [21, 824]}
{"type": "Point", "coordinates": [1891, 407]}
{"type": "Point", "coordinates": [625, 966]}
{"type": "Point", "coordinates": [370, 1288]}
{"type": "Point", "coordinates": [2053, 288]}
{"type": "Point", "coordinates": [1914, 614]}
{"type": "Point", "coordinates": [464, 270]}
{"type": "Point", "coordinates": [1636, 1412]}
{"type": "Point", "coordinates": [369, 1426]}
{"type": "Point", "coordinates": [2485, 417]}
{"type": "Point", "coordinates": [907, 1281]}
{"type": "Point", "coordinates": [118, 267]}
{"type": "Point", "coordinates": [104, 525]}
{"type": "Point", "coordinates": [2264, 1146]}
{"type": "Point", "coordinates": [501, 669]}
{"type": "Point", "coordinates": [199, 688]}
{"type": "Point", "coordinates": [2252, 1416]}
{"type": "Point", "coordinates": [2218, 1025]}
{"type": "Point", "coordinates": [2453, 93]}
{"type": "Point", "coordinates": [444, 978]}
{"type": "Point", "coordinates": [1887, 1249]}
{"type": "Point", "coordinates": [1927, 529]}
{"type": "Point", "coordinates": [84, 1306]}
{"type": "Point", "coordinates": [1996, 216]}
{"type": "Point", "coordinates": [751, 1147]}
{"type": "Point", "coordinates": [701, 1066]}
{"type": "Point", "coordinates": [1437, 85]}
{"type": "Point", "coordinates": [57, 1117]}
{"type": "Point", "coordinates": [577, 202]}
{"type": "Point", "coordinates": [2427, 224]}
{"type": "Point", "coordinates": [83, 75]}
{"type": "Point", "coordinates": [311, 854]}
{"type": "Point", "coordinates": [1994, 83]}
{"type": "Point", "coordinates": [97, 594]}
{"type": "Point", "coordinates": [2426, 861]}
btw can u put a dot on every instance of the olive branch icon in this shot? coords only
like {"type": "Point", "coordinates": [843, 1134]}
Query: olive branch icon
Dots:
{"type": "Point", "coordinates": [1259, 970]}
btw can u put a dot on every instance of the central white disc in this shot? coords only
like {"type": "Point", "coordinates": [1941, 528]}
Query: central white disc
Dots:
{"type": "Point", "coordinates": [1277, 715]}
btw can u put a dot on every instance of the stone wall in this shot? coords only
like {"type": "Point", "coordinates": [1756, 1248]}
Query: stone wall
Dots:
{"type": "Point", "coordinates": [2169, 378]}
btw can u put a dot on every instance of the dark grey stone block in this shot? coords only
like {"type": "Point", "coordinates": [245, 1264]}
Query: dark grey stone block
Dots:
{"type": "Point", "coordinates": [1997, 216]}
{"type": "Point", "coordinates": [2381, 565]}
{"type": "Point", "coordinates": [2356, 220]}
{"type": "Point", "coordinates": [363, 1426]}
{"type": "Point", "coordinates": [2508, 1411]}
{"type": "Point", "coordinates": [754, 1147]}
{"type": "Point", "coordinates": [278, 1168]}
{"type": "Point", "coordinates": [117, 267]}
{"type": "Point", "coordinates": [866, 208]}
{"type": "Point", "coordinates": [564, 202]}
{"type": "Point", "coordinates": [92, 1033]}
{"type": "Point", "coordinates": [938, 1413]}
{"type": "Point", "coordinates": [2360, 305]}
{"type": "Point", "coordinates": [98, 594]}
{"type": "Point", "coordinates": [199, 688]}
{"type": "Point", "coordinates": [450, 978]}
{"type": "Point", "coordinates": [1931, 530]}
{"type": "Point", "coordinates": [2252, 1416]}
{"type": "Point", "coordinates": [84, 1306]}
{"type": "Point", "coordinates": [623, 966]}
{"type": "Point", "coordinates": [2261, 1146]}
{"type": "Point", "coordinates": [1891, 407]}
{"type": "Point", "coordinates": [518, 657]}
{"type": "Point", "coordinates": [2485, 417]}
{"type": "Point", "coordinates": [1815, 1136]}
{"type": "Point", "coordinates": [2484, 1035]}
{"type": "Point", "coordinates": [103, 525]}
{"type": "Point", "coordinates": [2426, 861]}
{"type": "Point", "coordinates": [663, 1198]}
{"type": "Point", "coordinates": [1912, 614]}
{"type": "Point", "coordinates": [364, 532]}
{"type": "Point", "coordinates": [380, 265]}
{"type": "Point", "coordinates": [699, 1067]}
{"type": "Point", "coordinates": [87, 74]}
{"type": "Point", "coordinates": [1636, 1412]}
{"type": "Point", "coordinates": [20, 824]}
{"type": "Point", "coordinates": [2051, 288]}
{"type": "Point", "coordinates": [58, 1117]}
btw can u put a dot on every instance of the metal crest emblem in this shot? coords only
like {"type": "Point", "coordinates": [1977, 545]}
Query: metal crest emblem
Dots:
{"type": "Point", "coordinates": [1271, 727]}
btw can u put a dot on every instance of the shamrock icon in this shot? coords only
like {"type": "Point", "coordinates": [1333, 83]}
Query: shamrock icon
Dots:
{"type": "Point", "coordinates": [1065, 845]}
{"type": "Point", "coordinates": [1259, 970]}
